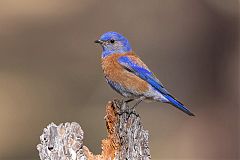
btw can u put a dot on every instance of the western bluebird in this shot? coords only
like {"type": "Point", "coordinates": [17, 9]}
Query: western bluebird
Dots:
{"type": "Point", "coordinates": [129, 76]}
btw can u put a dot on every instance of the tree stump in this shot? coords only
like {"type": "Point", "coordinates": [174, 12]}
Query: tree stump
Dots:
{"type": "Point", "coordinates": [126, 138]}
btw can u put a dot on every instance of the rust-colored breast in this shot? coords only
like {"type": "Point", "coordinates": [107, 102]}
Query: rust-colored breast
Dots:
{"type": "Point", "coordinates": [116, 73]}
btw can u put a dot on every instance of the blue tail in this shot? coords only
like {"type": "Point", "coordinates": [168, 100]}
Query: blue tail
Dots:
{"type": "Point", "coordinates": [178, 105]}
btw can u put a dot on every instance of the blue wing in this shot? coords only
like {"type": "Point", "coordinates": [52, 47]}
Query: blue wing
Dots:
{"type": "Point", "coordinates": [145, 74]}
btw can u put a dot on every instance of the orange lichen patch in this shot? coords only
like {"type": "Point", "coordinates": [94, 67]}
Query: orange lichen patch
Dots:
{"type": "Point", "coordinates": [90, 156]}
{"type": "Point", "coordinates": [116, 73]}
{"type": "Point", "coordinates": [108, 151]}
{"type": "Point", "coordinates": [110, 145]}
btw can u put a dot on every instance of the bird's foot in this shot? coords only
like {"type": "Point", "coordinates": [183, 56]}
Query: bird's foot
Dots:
{"type": "Point", "coordinates": [129, 109]}
{"type": "Point", "coordinates": [128, 113]}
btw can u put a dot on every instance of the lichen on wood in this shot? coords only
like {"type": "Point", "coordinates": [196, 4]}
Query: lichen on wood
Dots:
{"type": "Point", "coordinates": [126, 138]}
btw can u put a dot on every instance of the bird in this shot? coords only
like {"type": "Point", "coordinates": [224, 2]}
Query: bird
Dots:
{"type": "Point", "coordinates": [127, 74]}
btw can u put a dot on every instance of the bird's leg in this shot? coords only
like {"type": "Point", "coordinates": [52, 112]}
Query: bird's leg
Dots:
{"type": "Point", "coordinates": [137, 103]}
{"type": "Point", "coordinates": [129, 100]}
{"type": "Point", "coordinates": [125, 104]}
{"type": "Point", "coordinates": [139, 100]}
{"type": "Point", "coordinates": [129, 110]}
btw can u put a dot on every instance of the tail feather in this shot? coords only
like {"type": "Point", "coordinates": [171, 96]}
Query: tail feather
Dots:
{"type": "Point", "coordinates": [178, 105]}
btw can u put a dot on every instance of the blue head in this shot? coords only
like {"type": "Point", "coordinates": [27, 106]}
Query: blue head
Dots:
{"type": "Point", "coordinates": [113, 42]}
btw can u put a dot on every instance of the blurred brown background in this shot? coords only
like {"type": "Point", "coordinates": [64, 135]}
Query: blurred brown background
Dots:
{"type": "Point", "coordinates": [50, 71]}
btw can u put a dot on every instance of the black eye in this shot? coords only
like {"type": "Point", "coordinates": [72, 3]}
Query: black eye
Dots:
{"type": "Point", "coordinates": [112, 41]}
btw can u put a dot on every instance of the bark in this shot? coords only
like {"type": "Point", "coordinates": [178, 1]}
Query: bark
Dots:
{"type": "Point", "coordinates": [126, 138]}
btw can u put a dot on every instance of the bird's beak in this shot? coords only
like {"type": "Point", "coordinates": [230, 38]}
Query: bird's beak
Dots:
{"type": "Point", "coordinates": [98, 41]}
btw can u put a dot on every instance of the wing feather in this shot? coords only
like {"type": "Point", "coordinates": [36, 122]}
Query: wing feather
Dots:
{"type": "Point", "coordinates": [137, 67]}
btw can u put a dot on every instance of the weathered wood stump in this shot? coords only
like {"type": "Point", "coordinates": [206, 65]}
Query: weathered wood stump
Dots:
{"type": "Point", "coordinates": [126, 138]}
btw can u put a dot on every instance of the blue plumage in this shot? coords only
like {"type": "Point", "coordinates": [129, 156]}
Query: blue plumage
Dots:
{"type": "Point", "coordinates": [148, 76]}
{"type": "Point", "coordinates": [178, 104]}
{"type": "Point", "coordinates": [121, 44]}
{"type": "Point", "coordinates": [114, 43]}
{"type": "Point", "coordinates": [143, 73]}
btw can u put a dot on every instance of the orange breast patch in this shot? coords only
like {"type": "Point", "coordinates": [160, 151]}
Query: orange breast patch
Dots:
{"type": "Point", "coordinates": [116, 73]}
